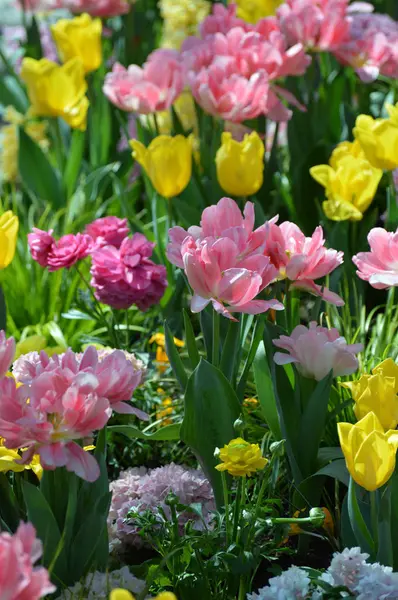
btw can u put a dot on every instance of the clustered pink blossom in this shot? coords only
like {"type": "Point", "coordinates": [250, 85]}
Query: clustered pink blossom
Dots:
{"type": "Point", "coordinates": [64, 399]}
{"type": "Point", "coordinates": [126, 276]}
{"type": "Point", "coordinates": [19, 578]}
{"type": "Point", "coordinates": [152, 88]}
{"type": "Point", "coordinates": [139, 490]}
{"type": "Point", "coordinates": [316, 351]}
{"type": "Point", "coordinates": [229, 263]}
{"type": "Point", "coordinates": [379, 266]}
{"type": "Point", "coordinates": [58, 254]}
{"type": "Point", "coordinates": [108, 231]}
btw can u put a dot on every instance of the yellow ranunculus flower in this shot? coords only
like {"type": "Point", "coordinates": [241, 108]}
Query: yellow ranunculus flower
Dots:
{"type": "Point", "coordinates": [119, 594]}
{"type": "Point", "coordinates": [377, 393]}
{"type": "Point", "coordinates": [8, 462]}
{"type": "Point", "coordinates": [167, 162]}
{"type": "Point", "coordinates": [369, 452]}
{"type": "Point", "coordinates": [9, 225]}
{"type": "Point", "coordinates": [379, 140]}
{"type": "Point", "coordinates": [240, 458]}
{"type": "Point", "coordinates": [350, 182]}
{"type": "Point", "coordinates": [57, 90]}
{"type": "Point", "coordinates": [240, 165]}
{"type": "Point", "coordinates": [79, 37]}
{"type": "Point", "coordinates": [254, 10]}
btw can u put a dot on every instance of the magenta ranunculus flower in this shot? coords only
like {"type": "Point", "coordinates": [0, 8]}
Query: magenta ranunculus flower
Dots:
{"type": "Point", "coordinates": [19, 578]}
{"type": "Point", "coordinates": [108, 230]}
{"type": "Point", "coordinates": [126, 276]}
{"type": "Point", "coordinates": [152, 88]}
{"type": "Point", "coordinates": [316, 351]}
{"type": "Point", "coordinates": [379, 266]}
{"type": "Point", "coordinates": [40, 243]}
{"type": "Point", "coordinates": [68, 250]}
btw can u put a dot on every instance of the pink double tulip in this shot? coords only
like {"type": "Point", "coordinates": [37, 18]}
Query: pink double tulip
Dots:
{"type": "Point", "coordinates": [152, 88]}
{"type": "Point", "coordinates": [379, 266]}
{"type": "Point", "coordinates": [316, 351]}
{"type": "Point", "coordinates": [20, 579]}
{"type": "Point", "coordinates": [221, 20]}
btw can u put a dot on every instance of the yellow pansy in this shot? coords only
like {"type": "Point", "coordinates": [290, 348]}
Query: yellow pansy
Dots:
{"type": "Point", "coordinates": [379, 140]}
{"type": "Point", "coordinates": [79, 37]}
{"type": "Point", "coordinates": [350, 182]}
{"type": "Point", "coordinates": [9, 225]}
{"type": "Point", "coordinates": [240, 165]}
{"type": "Point", "coordinates": [369, 452]}
{"type": "Point", "coordinates": [167, 162]}
{"type": "Point", "coordinates": [240, 458]}
{"type": "Point", "coordinates": [254, 10]}
{"type": "Point", "coordinates": [57, 90]}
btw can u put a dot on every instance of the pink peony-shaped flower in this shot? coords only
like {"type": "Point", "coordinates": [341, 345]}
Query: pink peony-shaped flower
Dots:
{"type": "Point", "coordinates": [7, 353]}
{"type": "Point", "coordinates": [152, 88]}
{"type": "Point", "coordinates": [302, 259]}
{"type": "Point", "coordinates": [19, 578]}
{"type": "Point", "coordinates": [127, 276]}
{"type": "Point", "coordinates": [316, 351]}
{"type": "Point", "coordinates": [379, 266]}
{"type": "Point", "coordinates": [108, 231]}
{"type": "Point", "coordinates": [40, 244]}
{"type": "Point", "coordinates": [68, 250]}
{"type": "Point", "coordinates": [96, 8]}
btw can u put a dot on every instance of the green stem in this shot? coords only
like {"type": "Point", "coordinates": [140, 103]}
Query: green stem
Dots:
{"type": "Point", "coordinates": [127, 328]}
{"type": "Point", "coordinates": [257, 507]}
{"type": "Point", "coordinates": [242, 588]}
{"type": "Point", "coordinates": [216, 338]}
{"type": "Point", "coordinates": [58, 143]}
{"type": "Point", "coordinates": [374, 519]}
{"type": "Point", "coordinates": [226, 506]}
{"type": "Point", "coordinates": [240, 501]}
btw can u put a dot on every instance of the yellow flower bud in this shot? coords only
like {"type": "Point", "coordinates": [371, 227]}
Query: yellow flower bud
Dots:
{"type": "Point", "coordinates": [9, 225]}
{"type": "Point", "coordinates": [379, 140]}
{"type": "Point", "coordinates": [369, 452]}
{"type": "Point", "coordinates": [350, 182]}
{"type": "Point", "coordinates": [254, 10]}
{"type": "Point", "coordinates": [240, 165]}
{"type": "Point", "coordinates": [167, 162]}
{"type": "Point", "coordinates": [57, 91]}
{"type": "Point", "coordinates": [240, 458]}
{"type": "Point", "coordinates": [79, 37]}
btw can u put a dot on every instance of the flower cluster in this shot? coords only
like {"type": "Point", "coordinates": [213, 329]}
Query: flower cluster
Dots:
{"type": "Point", "coordinates": [141, 490]}
{"type": "Point", "coordinates": [19, 578]}
{"type": "Point", "coordinates": [181, 19]}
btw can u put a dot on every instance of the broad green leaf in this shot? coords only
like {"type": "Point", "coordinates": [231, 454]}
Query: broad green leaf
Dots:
{"type": "Point", "coordinates": [175, 359]}
{"type": "Point", "coordinates": [3, 310]}
{"type": "Point", "coordinates": [190, 341]}
{"type": "Point", "coordinates": [385, 546]}
{"type": "Point", "coordinates": [9, 509]}
{"type": "Point", "coordinates": [211, 408]}
{"type": "Point", "coordinates": [255, 341]}
{"type": "Point", "coordinates": [393, 483]}
{"type": "Point", "coordinates": [230, 350]}
{"type": "Point", "coordinates": [169, 432]}
{"type": "Point", "coordinates": [265, 391]}
{"type": "Point", "coordinates": [359, 527]}
{"type": "Point", "coordinates": [74, 161]}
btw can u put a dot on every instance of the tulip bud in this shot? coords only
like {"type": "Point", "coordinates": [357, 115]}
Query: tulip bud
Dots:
{"type": "Point", "coordinates": [240, 165]}
{"type": "Point", "coordinates": [317, 517]}
{"type": "Point", "coordinates": [79, 37]}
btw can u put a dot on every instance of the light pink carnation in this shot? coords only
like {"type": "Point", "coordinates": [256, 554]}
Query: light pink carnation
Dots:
{"type": "Point", "coordinates": [152, 88]}
{"type": "Point", "coordinates": [108, 230]}
{"type": "Point", "coordinates": [40, 244]}
{"type": "Point", "coordinates": [316, 351]}
{"type": "Point", "coordinates": [19, 578]}
{"type": "Point", "coordinates": [127, 276]}
{"type": "Point", "coordinates": [379, 266]}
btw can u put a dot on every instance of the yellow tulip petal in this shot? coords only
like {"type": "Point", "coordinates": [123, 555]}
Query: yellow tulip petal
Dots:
{"type": "Point", "coordinates": [119, 594]}
{"type": "Point", "coordinates": [374, 462]}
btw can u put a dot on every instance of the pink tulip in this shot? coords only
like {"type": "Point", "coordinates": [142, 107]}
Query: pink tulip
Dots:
{"type": "Point", "coordinates": [40, 243]}
{"type": "Point", "coordinates": [222, 19]}
{"type": "Point", "coordinates": [96, 8]}
{"type": "Point", "coordinates": [7, 353]}
{"type": "Point", "coordinates": [302, 259]}
{"type": "Point", "coordinates": [127, 276]}
{"type": "Point", "coordinates": [152, 88]}
{"type": "Point", "coordinates": [316, 351]}
{"type": "Point", "coordinates": [379, 266]}
{"type": "Point", "coordinates": [108, 230]}
{"type": "Point", "coordinates": [19, 578]}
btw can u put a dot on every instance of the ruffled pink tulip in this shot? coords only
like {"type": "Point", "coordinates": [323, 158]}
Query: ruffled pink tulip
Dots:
{"type": "Point", "coordinates": [302, 259]}
{"type": "Point", "coordinates": [40, 243]}
{"type": "Point", "coordinates": [19, 578]}
{"type": "Point", "coordinates": [7, 353]}
{"type": "Point", "coordinates": [379, 266]}
{"type": "Point", "coordinates": [222, 19]}
{"type": "Point", "coordinates": [152, 88]}
{"type": "Point", "coordinates": [127, 276]}
{"type": "Point", "coordinates": [108, 231]}
{"type": "Point", "coordinates": [68, 250]}
{"type": "Point", "coordinates": [316, 351]}
{"type": "Point", "coordinates": [96, 8]}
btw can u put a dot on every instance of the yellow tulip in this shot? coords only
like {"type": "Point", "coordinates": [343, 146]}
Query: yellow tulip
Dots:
{"type": "Point", "coordinates": [9, 225]}
{"type": "Point", "coordinates": [167, 162]}
{"type": "Point", "coordinates": [240, 458]}
{"type": "Point", "coordinates": [379, 140]}
{"type": "Point", "coordinates": [57, 91]}
{"type": "Point", "coordinates": [254, 10]}
{"type": "Point", "coordinates": [240, 165]}
{"type": "Point", "coordinates": [9, 458]}
{"type": "Point", "coordinates": [350, 182]}
{"type": "Point", "coordinates": [79, 37]}
{"type": "Point", "coordinates": [369, 452]}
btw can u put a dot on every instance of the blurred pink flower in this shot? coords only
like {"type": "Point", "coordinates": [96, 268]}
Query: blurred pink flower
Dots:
{"type": "Point", "coordinates": [152, 88]}
{"type": "Point", "coordinates": [96, 8]}
{"type": "Point", "coordinates": [222, 19]}
{"type": "Point", "coordinates": [7, 352]}
{"type": "Point", "coordinates": [316, 351]}
{"type": "Point", "coordinates": [19, 578]}
{"type": "Point", "coordinates": [40, 243]}
{"type": "Point", "coordinates": [68, 250]}
{"type": "Point", "coordinates": [302, 259]}
{"type": "Point", "coordinates": [108, 230]}
{"type": "Point", "coordinates": [379, 266]}
{"type": "Point", "coordinates": [127, 276]}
